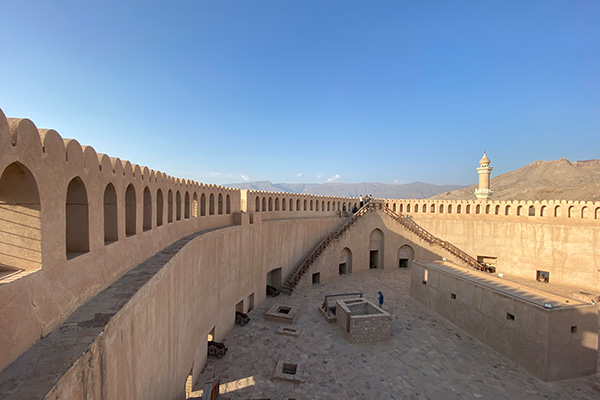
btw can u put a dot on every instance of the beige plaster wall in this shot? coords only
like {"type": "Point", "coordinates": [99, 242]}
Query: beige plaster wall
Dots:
{"type": "Point", "coordinates": [539, 339]}
{"type": "Point", "coordinates": [357, 240]}
{"type": "Point", "coordinates": [40, 295]}
{"type": "Point", "coordinates": [148, 348]}
{"type": "Point", "coordinates": [569, 250]}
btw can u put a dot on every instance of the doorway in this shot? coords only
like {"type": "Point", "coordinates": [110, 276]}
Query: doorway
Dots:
{"type": "Point", "coordinates": [374, 259]}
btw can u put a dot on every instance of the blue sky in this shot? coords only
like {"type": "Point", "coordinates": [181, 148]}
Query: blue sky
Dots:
{"type": "Point", "coordinates": [310, 91]}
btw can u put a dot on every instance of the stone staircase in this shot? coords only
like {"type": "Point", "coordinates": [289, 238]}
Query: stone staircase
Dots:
{"type": "Point", "coordinates": [406, 221]}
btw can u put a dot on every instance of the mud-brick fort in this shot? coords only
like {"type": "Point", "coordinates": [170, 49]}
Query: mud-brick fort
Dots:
{"type": "Point", "coordinates": [113, 276]}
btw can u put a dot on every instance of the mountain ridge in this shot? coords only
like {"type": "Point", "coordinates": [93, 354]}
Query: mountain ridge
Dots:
{"type": "Point", "coordinates": [541, 180]}
{"type": "Point", "coordinates": [413, 190]}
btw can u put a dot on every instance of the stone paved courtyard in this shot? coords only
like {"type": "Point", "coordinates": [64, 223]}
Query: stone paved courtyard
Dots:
{"type": "Point", "coordinates": [427, 357]}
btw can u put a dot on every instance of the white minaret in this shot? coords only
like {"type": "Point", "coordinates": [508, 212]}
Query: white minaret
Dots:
{"type": "Point", "coordinates": [484, 192]}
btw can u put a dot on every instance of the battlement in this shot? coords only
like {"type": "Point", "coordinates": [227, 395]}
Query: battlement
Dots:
{"type": "Point", "coordinates": [71, 201]}
{"type": "Point", "coordinates": [563, 211]}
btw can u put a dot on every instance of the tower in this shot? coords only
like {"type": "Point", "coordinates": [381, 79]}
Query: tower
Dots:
{"type": "Point", "coordinates": [484, 192]}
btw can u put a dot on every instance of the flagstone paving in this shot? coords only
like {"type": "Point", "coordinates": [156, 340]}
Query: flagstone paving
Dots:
{"type": "Point", "coordinates": [427, 357]}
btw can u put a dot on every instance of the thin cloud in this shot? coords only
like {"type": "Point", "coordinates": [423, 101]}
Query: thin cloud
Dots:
{"type": "Point", "coordinates": [299, 174]}
{"type": "Point", "coordinates": [333, 178]}
{"type": "Point", "coordinates": [245, 177]}
{"type": "Point", "coordinates": [319, 175]}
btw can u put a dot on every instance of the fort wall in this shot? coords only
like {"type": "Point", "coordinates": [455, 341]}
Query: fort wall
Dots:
{"type": "Point", "coordinates": [73, 221]}
{"type": "Point", "coordinates": [552, 343]}
{"type": "Point", "coordinates": [567, 245]}
{"type": "Point", "coordinates": [148, 348]}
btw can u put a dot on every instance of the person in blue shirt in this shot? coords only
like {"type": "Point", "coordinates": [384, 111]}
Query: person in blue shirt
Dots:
{"type": "Point", "coordinates": [380, 299]}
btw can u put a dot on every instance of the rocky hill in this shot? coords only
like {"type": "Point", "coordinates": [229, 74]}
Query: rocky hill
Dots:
{"type": "Point", "coordinates": [542, 180]}
{"type": "Point", "coordinates": [415, 190]}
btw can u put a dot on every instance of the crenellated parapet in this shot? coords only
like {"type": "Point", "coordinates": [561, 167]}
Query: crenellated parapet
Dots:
{"type": "Point", "coordinates": [261, 201]}
{"type": "Point", "coordinates": [541, 211]}
{"type": "Point", "coordinates": [74, 221]}
{"type": "Point", "coordinates": [62, 201]}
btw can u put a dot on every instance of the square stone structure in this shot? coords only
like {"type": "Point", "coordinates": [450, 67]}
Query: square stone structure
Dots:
{"type": "Point", "coordinates": [362, 321]}
{"type": "Point", "coordinates": [279, 313]}
{"type": "Point", "coordinates": [551, 336]}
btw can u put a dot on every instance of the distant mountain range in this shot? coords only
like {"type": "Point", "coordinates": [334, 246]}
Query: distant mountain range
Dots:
{"type": "Point", "coordinates": [542, 180]}
{"type": "Point", "coordinates": [415, 190]}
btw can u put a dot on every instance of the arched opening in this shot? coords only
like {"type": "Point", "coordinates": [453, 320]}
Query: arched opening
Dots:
{"type": "Point", "coordinates": [147, 210]}
{"type": "Point", "coordinates": [169, 206]}
{"type": "Point", "coordinates": [376, 241]}
{"type": "Point", "coordinates": [195, 205]}
{"type": "Point", "coordinates": [531, 211]}
{"type": "Point", "coordinates": [394, 207]}
{"type": "Point", "coordinates": [264, 204]}
{"type": "Point", "coordinates": [228, 204]}
{"type": "Point", "coordinates": [487, 209]}
{"type": "Point", "coordinates": [597, 213]}
{"type": "Point", "coordinates": [557, 211]}
{"type": "Point", "coordinates": [424, 208]}
{"type": "Point", "coordinates": [449, 208]}
{"type": "Point", "coordinates": [328, 206]}
{"type": "Point", "coordinates": [317, 206]}
{"type": "Point", "coordinates": [130, 210]}
{"type": "Point", "coordinates": [257, 208]}
{"type": "Point", "coordinates": [519, 210]}
{"type": "Point", "coordinates": [178, 206]}
{"type": "Point", "coordinates": [322, 205]}
{"type": "Point", "coordinates": [20, 209]}
{"type": "Point", "coordinates": [507, 210]}
{"type": "Point", "coordinates": [211, 204]}
{"type": "Point", "coordinates": [305, 205]}
{"type": "Point", "coordinates": [297, 205]}
{"type": "Point", "coordinates": [186, 205]}
{"type": "Point", "coordinates": [432, 208]}
{"type": "Point", "coordinates": [283, 205]}
{"type": "Point", "coordinates": [111, 226]}
{"type": "Point", "coordinates": [584, 212]}
{"type": "Point", "coordinates": [497, 210]}
{"type": "Point", "coordinates": [468, 209]}
{"type": "Point", "coordinates": [345, 264]}
{"type": "Point", "coordinates": [407, 208]}
{"type": "Point", "coordinates": [270, 204]}
{"type": "Point", "coordinates": [406, 255]}
{"type": "Point", "coordinates": [477, 209]}
{"type": "Point", "coordinates": [311, 206]}
{"type": "Point", "coordinates": [441, 208]}
{"type": "Point", "coordinates": [291, 204]}
{"type": "Point", "coordinates": [78, 237]}
{"type": "Point", "coordinates": [276, 203]}
{"type": "Point", "coordinates": [202, 205]}
{"type": "Point", "coordinates": [570, 212]}
{"type": "Point", "coordinates": [400, 208]}
{"type": "Point", "coordinates": [159, 207]}
{"type": "Point", "coordinates": [458, 209]}
{"type": "Point", "coordinates": [220, 203]}
{"type": "Point", "coordinates": [543, 211]}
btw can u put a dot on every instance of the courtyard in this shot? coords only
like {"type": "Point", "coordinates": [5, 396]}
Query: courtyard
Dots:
{"type": "Point", "coordinates": [426, 358]}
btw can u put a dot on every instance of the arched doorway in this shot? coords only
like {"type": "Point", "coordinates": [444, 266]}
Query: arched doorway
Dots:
{"type": "Point", "coordinates": [345, 265]}
{"type": "Point", "coordinates": [376, 249]}
{"type": "Point", "coordinates": [405, 256]}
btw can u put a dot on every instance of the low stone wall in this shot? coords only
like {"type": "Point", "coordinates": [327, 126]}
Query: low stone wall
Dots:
{"type": "Point", "coordinates": [362, 321]}
{"type": "Point", "coordinates": [552, 343]}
